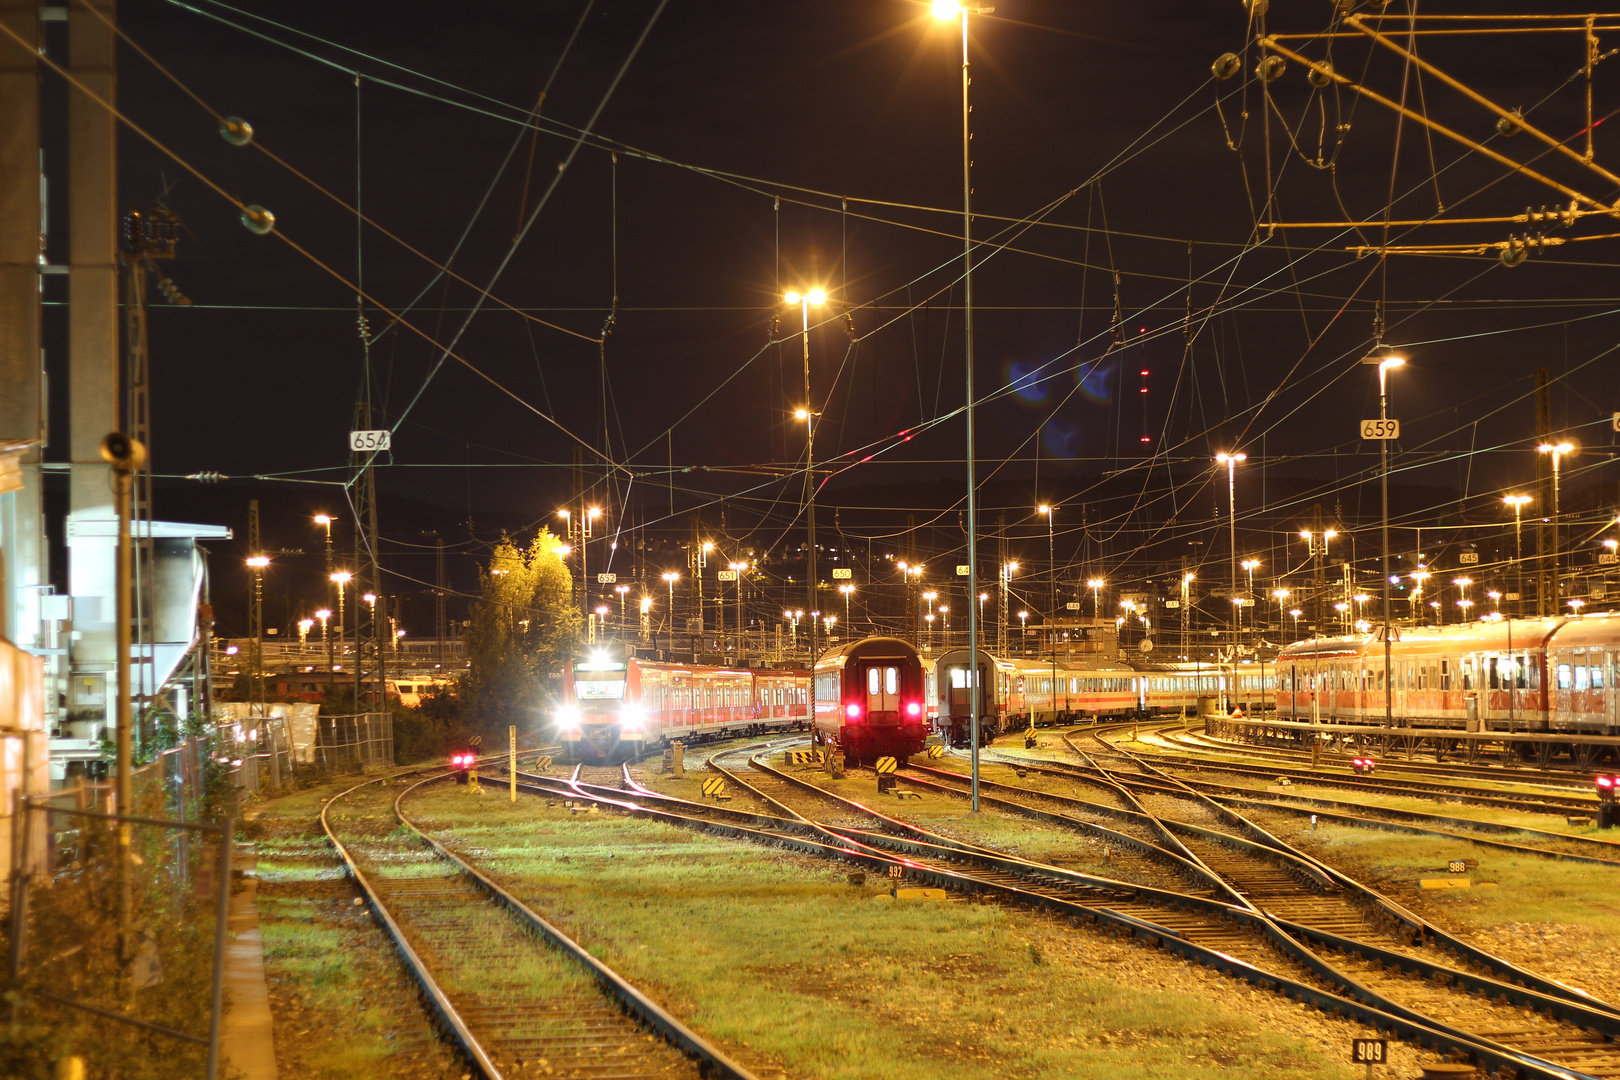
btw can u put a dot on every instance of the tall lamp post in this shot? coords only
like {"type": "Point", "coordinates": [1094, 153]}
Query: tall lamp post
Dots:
{"type": "Point", "coordinates": [1384, 363]}
{"type": "Point", "coordinates": [1231, 462]}
{"type": "Point", "coordinates": [948, 10]}
{"type": "Point", "coordinates": [670, 577]}
{"type": "Point", "coordinates": [806, 300]}
{"type": "Point", "coordinates": [1051, 561]}
{"type": "Point", "coordinates": [1249, 567]}
{"type": "Point", "coordinates": [1095, 585]}
{"type": "Point", "coordinates": [341, 579]}
{"type": "Point", "coordinates": [1557, 450]}
{"type": "Point", "coordinates": [1518, 502]}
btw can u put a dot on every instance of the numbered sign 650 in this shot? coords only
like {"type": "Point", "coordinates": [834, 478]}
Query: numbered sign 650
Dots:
{"type": "Point", "coordinates": [1380, 429]}
{"type": "Point", "coordinates": [362, 441]}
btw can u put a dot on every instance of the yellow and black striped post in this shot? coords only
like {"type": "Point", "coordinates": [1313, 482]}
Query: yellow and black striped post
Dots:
{"type": "Point", "coordinates": [511, 736]}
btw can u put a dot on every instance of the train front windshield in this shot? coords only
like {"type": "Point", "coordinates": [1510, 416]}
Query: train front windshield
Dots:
{"type": "Point", "coordinates": [599, 685]}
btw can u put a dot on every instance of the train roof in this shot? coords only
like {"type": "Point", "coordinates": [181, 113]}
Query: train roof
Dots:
{"type": "Point", "coordinates": [1496, 635]}
{"type": "Point", "coordinates": [866, 649]}
{"type": "Point", "coordinates": [1034, 666]}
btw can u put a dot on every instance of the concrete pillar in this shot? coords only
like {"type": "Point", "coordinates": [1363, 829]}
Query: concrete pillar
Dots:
{"type": "Point", "coordinates": [92, 350]}
{"type": "Point", "coordinates": [22, 565]}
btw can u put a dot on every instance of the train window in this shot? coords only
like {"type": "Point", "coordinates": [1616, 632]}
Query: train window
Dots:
{"type": "Point", "coordinates": [891, 680]}
{"type": "Point", "coordinates": [1580, 676]}
{"type": "Point", "coordinates": [1468, 674]}
{"type": "Point", "coordinates": [1597, 677]}
{"type": "Point", "coordinates": [1564, 679]}
{"type": "Point", "coordinates": [874, 677]}
{"type": "Point", "coordinates": [958, 678]}
{"type": "Point", "coordinates": [1445, 674]}
{"type": "Point", "coordinates": [1493, 679]}
{"type": "Point", "coordinates": [599, 685]}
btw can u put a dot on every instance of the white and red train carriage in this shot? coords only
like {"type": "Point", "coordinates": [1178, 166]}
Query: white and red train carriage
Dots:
{"type": "Point", "coordinates": [613, 705]}
{"type": "Point", "coordinates": [1544, 674]}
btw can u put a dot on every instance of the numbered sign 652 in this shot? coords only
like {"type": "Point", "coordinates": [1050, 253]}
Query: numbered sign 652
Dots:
{"type": "Point", "coordinates": [1380, 429]}
{"type": "Point", "coordinates": [362, 441]}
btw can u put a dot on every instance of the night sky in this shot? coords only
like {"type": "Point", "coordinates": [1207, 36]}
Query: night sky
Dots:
{"type": "Point", "coordinates": [1103, 172]}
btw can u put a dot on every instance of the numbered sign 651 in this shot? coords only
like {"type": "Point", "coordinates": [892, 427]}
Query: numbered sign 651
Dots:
{"type": "Point", "coordinates": [1380, 429]}
{"type": "Point", "coordinates": [362, 441]}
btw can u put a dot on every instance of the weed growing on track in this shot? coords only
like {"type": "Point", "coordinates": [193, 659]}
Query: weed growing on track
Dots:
{"type": "Point", "coordinates": [776, 952]}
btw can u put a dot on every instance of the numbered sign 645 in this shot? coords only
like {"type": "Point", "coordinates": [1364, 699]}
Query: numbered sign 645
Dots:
{"type": "Point", "coordinates": [1380, 429]}
{"type": "Point", "coordinates": [362, 441]}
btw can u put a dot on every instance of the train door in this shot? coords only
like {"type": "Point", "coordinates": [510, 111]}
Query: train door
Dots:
{"type": "Point", "coordinates": [1568, 671]}
{"type": "Point", "coordinates": [882, 689]}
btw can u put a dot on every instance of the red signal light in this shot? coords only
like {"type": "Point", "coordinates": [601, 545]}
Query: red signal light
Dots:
{"type": "Point", "coordinates": [914, 709]}
{"type": "Point", "coordinates": [1605, 781]}
{"type": "Point", "coordinates": [852, 711]}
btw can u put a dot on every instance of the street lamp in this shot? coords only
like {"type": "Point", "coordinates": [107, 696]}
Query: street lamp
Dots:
{"type": "Point", "coordinates": [1557, 450]}
{"type": "Point", "coordinates": [848, 591]}
{"type": "Point", "coordinates": [946, 10]}
{"type": "Point", "coordinates": [1384, 363]}
{"type": "Point", "coordinates": [1095, 585]}
{"type": "Point", "coordinates": [670, 577]}
{"type": "Point", "coordinates": [1295, 613]}
{"type": "Point", "coordinates": [1518, 503]}
{"type": "Point", "coordinates": [341, 579]}
{"type": "Point", "coordinates": [1282, 596]}
{"type": "Point", "coordinates": [1051, 560]}
{"type": "Point", "coordinates": [806, 300]}
{"type": "Point", "coordinates": [1007, 571]}
{"type": "Point", "coordinates": [1230, 460]}
{"type": "Point", "coordinates": [1496, 602]}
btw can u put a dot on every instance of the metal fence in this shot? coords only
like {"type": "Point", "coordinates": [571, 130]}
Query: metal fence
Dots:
{"type": "Point", "coordinates": [354, 743]}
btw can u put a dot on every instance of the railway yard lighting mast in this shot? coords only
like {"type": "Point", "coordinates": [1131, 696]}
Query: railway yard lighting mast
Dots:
{"type": "Point", "coordinates": [1051, 560]}
{"type": "Point", "coordinates": [1249, 567]}
{"type": "Point", "coordinates": [341, 579]}
{"type": "Point", "coordinates": [1384, 363]}
{"type": "Point", "coordinates": [806, 300]}
{"type": "Point", "coordinates": [948, 11]}
{"type": "Point", "coordinates": [1518, 502]}
{"type": "Point", "coordinates": [1095, 585]}
{"type": "Point", "coordinates": [670, 577]}
{"type": "Point", "coordinates": [1231, 463]}
{"type": "Point", "coordinates": [1557, 450]}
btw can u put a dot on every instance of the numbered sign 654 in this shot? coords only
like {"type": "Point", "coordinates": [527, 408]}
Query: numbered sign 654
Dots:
{"type": "Point", "coordinates": [362, 441]}
{"type": "Point", "coordinates": [1380, 429]}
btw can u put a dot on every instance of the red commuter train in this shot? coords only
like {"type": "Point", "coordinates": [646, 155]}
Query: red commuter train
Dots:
{"type": "Point", "coordinates": [1551, 674]}
{"type": "Point", "coordinates": [613, 705]}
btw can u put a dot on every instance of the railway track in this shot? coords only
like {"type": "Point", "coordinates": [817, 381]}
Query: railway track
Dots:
{"type": "Point", "coordinates": [518, 996]}
{"type": "Point", "coordinates": [1553, 845]}
{"type": "Point", "coordinates": [1515, 1024]}
{"type": "Point", "coordinates": [1573, 785]}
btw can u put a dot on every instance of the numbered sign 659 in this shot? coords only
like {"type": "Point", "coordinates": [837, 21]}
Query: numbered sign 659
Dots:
{"type": "Point", "coordinates": [362, 441]}
{"type": "Point", "coordinates": [1380, 429]}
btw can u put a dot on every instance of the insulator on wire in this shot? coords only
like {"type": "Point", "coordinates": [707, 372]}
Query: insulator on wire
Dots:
{"type": "Point", "coordinates": [236, 131]}
{"type": "Point", "coordinates": [258, 220]}
{"type": "Point", "coordinates": [1270, 68]}
{"type": "Point", "coordinates": [1225, 66]}
{"type": "Point", "coordinates": [1507, 127]}
{"type": "Point", "coordinates": [1256, 8]}
{"type": "Point", "coordinates": [1320, 75]}
{"type": "Point", "coordinates": [1514, 252]}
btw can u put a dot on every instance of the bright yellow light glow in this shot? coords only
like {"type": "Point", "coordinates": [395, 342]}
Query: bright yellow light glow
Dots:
{"type": "Point", "coordinates": [670, 575]}
{"type": "Point", "coordinates": [595, 511]}
{"type": "Point", "coordinates": [324, 614]}
{"type": "Point", "coordinates": [817, 297]}
{"type": "Point", "coordinates": [946, 9]}
{"type": "Point", "coordinates": [1515, 500]}
{"type": "Point", "coordinates": [708, 545]}
{"type": "Point", "coordinates": [1329, 534]}
{"type": "Point", "coordinates": [259, 562]}
{"type": "Point", "coordinates": [1556, 448]}
{"type": "Point", "coordinates": [1224, 458]}
{"type": "Point", "coordinates": [342, 577]}
{"type": "Point", "coordinates": [1097, 582]}
{"type": "Point", "coordinates": [322, 519]}
{"type": "Point", "coordinates": [1392, 361]}
{"type": "Point", "coordinates": [1043, 509]}
{"type": "Point", "coordinates": [792, 297]}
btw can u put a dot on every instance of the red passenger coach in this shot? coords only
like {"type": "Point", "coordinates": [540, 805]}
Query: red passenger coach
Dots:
{"type": "Point", "coordinates": [869, 699]}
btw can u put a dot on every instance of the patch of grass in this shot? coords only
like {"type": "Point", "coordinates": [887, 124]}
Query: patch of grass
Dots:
{"type": "Point", "coordinates": [778, 953]}
{"type": "Point", "coordinates": [1529, 889]}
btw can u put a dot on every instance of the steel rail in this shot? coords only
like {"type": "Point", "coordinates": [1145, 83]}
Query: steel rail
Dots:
{"type": "Point", "coordinates": [713, 1061]}
{"type": "Point", "coordinates": [1506, 969]}
{"type": "Point", "coordinates": [1420, 1031]}
{"type": "Point", "coordinates": [418, 968]}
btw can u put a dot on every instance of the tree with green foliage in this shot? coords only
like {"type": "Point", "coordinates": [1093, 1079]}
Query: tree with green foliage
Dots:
{"type": "Point", "coordinates": [523, 627]}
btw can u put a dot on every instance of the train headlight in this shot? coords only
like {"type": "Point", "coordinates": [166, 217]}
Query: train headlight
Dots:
{"type": "Point", "coordinates": [568, 723]}
{"type": "Point", "coordinates": [630, 722]}
{"type": "Point", "coordinates": [853, 711]}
